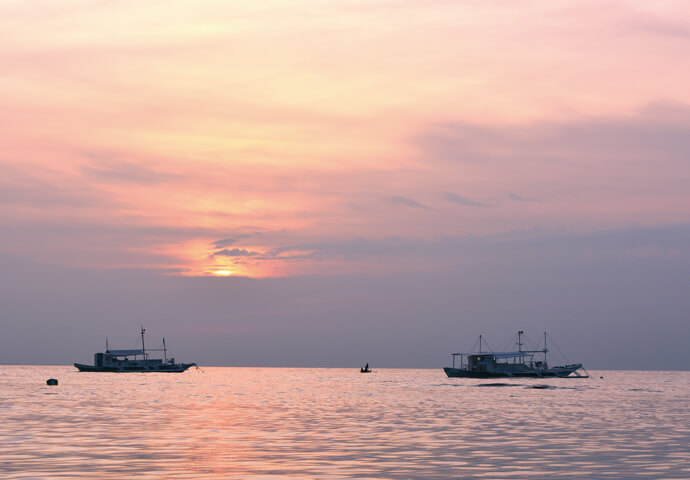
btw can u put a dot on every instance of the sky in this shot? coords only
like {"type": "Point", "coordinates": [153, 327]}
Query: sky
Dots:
{"type": "Point", "coordinates": [329, 183]}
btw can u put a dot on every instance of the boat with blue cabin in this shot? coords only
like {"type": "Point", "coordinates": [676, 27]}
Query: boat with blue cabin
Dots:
{"type": "Point", "coordinates": [133, 361]}
{"type": "Point", "coordinates": [520, 363]}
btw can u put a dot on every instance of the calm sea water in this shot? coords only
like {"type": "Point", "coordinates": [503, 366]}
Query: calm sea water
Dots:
{"type": "Point", "coordinates": [269, 423]}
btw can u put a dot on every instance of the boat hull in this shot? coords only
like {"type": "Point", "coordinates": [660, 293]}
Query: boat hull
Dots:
{"type": "Point", "coordinates": [556, 372]}
{"type": "Point", "coordinates": [165, 368]}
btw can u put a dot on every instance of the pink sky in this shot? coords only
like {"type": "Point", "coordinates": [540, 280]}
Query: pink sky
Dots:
{"type": "Point", "coordinates": [277, 138]}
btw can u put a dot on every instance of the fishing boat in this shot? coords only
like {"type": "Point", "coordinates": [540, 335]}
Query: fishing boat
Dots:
{"type": "Point", "coordinates": [365, 369]}
{"type": "Point", "coordinates": [520, 363]}
{"type": "Point", "coordinates": [133, 360]}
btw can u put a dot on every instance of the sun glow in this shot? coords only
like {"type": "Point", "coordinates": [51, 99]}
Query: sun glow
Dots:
{"type": "Point", "coordinates": [222, 273]}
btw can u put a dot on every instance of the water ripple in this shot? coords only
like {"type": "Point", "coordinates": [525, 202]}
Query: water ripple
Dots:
{"type": "Point", "coordinates": [259, 423]}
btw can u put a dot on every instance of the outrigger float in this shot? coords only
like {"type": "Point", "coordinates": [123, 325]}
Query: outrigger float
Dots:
{"type": "Point", "coordinates": [520, 363]}
{"type": "Point", "coordinates": [127, 361]}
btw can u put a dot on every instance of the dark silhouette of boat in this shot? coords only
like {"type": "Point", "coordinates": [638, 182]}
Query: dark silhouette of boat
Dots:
{"type": "Point", "coordinates": [366, 369]}
{"type": "Point", "coordinates": [520, 363]}
{"type": "Point", "coordinates": [128, 361]}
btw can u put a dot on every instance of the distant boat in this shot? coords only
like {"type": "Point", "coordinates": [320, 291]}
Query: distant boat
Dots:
{"type": "Point", "coordinates": [127, 361]}
{"type": "Point", "coordinates": [366, 369]}
{"type": "Point", "coordinates": [520, 363]}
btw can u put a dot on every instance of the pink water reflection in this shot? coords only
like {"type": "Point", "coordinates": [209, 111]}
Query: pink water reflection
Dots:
{"type": "Point", "coordinates": [336, 423]}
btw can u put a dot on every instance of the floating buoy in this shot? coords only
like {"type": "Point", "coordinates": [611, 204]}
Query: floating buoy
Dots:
{"type": "Point", "coordinates": [51, 381]}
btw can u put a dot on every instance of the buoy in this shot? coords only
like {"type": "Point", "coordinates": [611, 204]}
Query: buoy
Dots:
{"type": "Point", "coordinates": [51, 381]}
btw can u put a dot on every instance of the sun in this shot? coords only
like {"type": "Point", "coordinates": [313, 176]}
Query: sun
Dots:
{"type": "Point", "coordinates": [222, 273]}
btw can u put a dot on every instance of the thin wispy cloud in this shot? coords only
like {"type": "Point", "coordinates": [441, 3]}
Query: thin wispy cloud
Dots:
{"type": "Point", "coordinates": [225, 242]}
{"type": "Point", "coordinates": [235, 252]}
{"type": "Point", "coordinates": [228, 241]}
{"type": "Point", "coordinates": [520, 198]}
{"type": "Point", "coordinates": [464, 201]}
{"type": "Point", "coordinates": [408, 202]}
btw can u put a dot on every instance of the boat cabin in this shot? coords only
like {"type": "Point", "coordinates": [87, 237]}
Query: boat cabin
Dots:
{"type": "Point", "coordinates": [486, 362]}
{"type": "Point", "coordinates": [127, 359]}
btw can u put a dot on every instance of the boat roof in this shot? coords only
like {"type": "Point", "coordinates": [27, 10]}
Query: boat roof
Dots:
{"type": "Point", "coordinates": [498, 354]}
{"type": "Point", "coordinates": [124, 352]}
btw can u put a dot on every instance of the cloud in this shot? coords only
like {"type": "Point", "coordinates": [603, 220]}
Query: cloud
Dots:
{"type": "Point", "coordinates": [408, 202]}
{"type": "Point", "coordinates": [661, 26]}
{"type": "Point", "coordinates": [226, 242]}
{"type": "Point", "coordinates": [105, 168]}
{"type": "Point", "coordinates": [353, 249]}
{"type": "Point", "coordinates": [132, 242]}
{"type": "Point", "coordinates": [48, 188]}
{"type": "Point", "coordinates": [668, 241]}
{"type": "Point", "coordinates": [584, 170]}
{"type": "Point", "coordinates": [460, 200]}
{"type": "Point", "coordinates": [658, 132]}
{"type": "Point", "coordinates": [235, 252]}
{"type": "Point", "coordinates": [519, 198]}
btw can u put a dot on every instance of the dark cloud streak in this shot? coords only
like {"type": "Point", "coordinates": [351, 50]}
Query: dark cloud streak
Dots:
{"type": "Point", "coordinates": [520, 198]}
{"type": "Point", "coordinates": [235, 252]}
{"type": "Point", "coordinates": [408, 202]}
{"type": "Point", "coordinates": [464, 201]}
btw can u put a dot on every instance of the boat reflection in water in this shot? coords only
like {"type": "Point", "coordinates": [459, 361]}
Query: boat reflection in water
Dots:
{"type": "Point", "coordinates": [128, 361]}
{"type": "Point", "coordinates": [520, 363]}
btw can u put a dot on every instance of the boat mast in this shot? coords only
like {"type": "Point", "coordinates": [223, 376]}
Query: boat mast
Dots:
{"type": "Point", "coordinates": [143, 347]}
{"type": "Point", "coordinates": [165, 352]}
{"type": "Point", "coordinates": [545, 350]}
{"type": "Point", "coordinates": [520, 332]}
{"type": "Point", "coordinates": [480, 344]}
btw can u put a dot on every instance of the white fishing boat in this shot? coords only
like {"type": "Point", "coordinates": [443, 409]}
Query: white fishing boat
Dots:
{"type": "Point", "coordinates": [133, 360]}
{"type": "Point", "coordinates": [520, 363]}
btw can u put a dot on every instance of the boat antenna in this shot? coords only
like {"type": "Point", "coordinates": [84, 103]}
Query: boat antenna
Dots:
{"type": "Point", "coordinates": [106, 344]}
{"type": "Point", "coordinates": [520, 332]}
{"type": "Point", "coordinates": [165, 352]}
{"type": "Point", "coordinates": [481, 342]}
{"type": "Point", "coordinates": [545, 349]}
{"type": "Point", "coordinates": [143, 346]}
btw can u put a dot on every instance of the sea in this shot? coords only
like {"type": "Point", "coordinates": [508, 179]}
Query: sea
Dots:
{"type": "Point", "coordinates": [330, 423]}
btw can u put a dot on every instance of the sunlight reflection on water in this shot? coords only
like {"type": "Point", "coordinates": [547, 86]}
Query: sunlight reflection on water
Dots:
{"type": "Point", "coordinates": [337, 423]}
